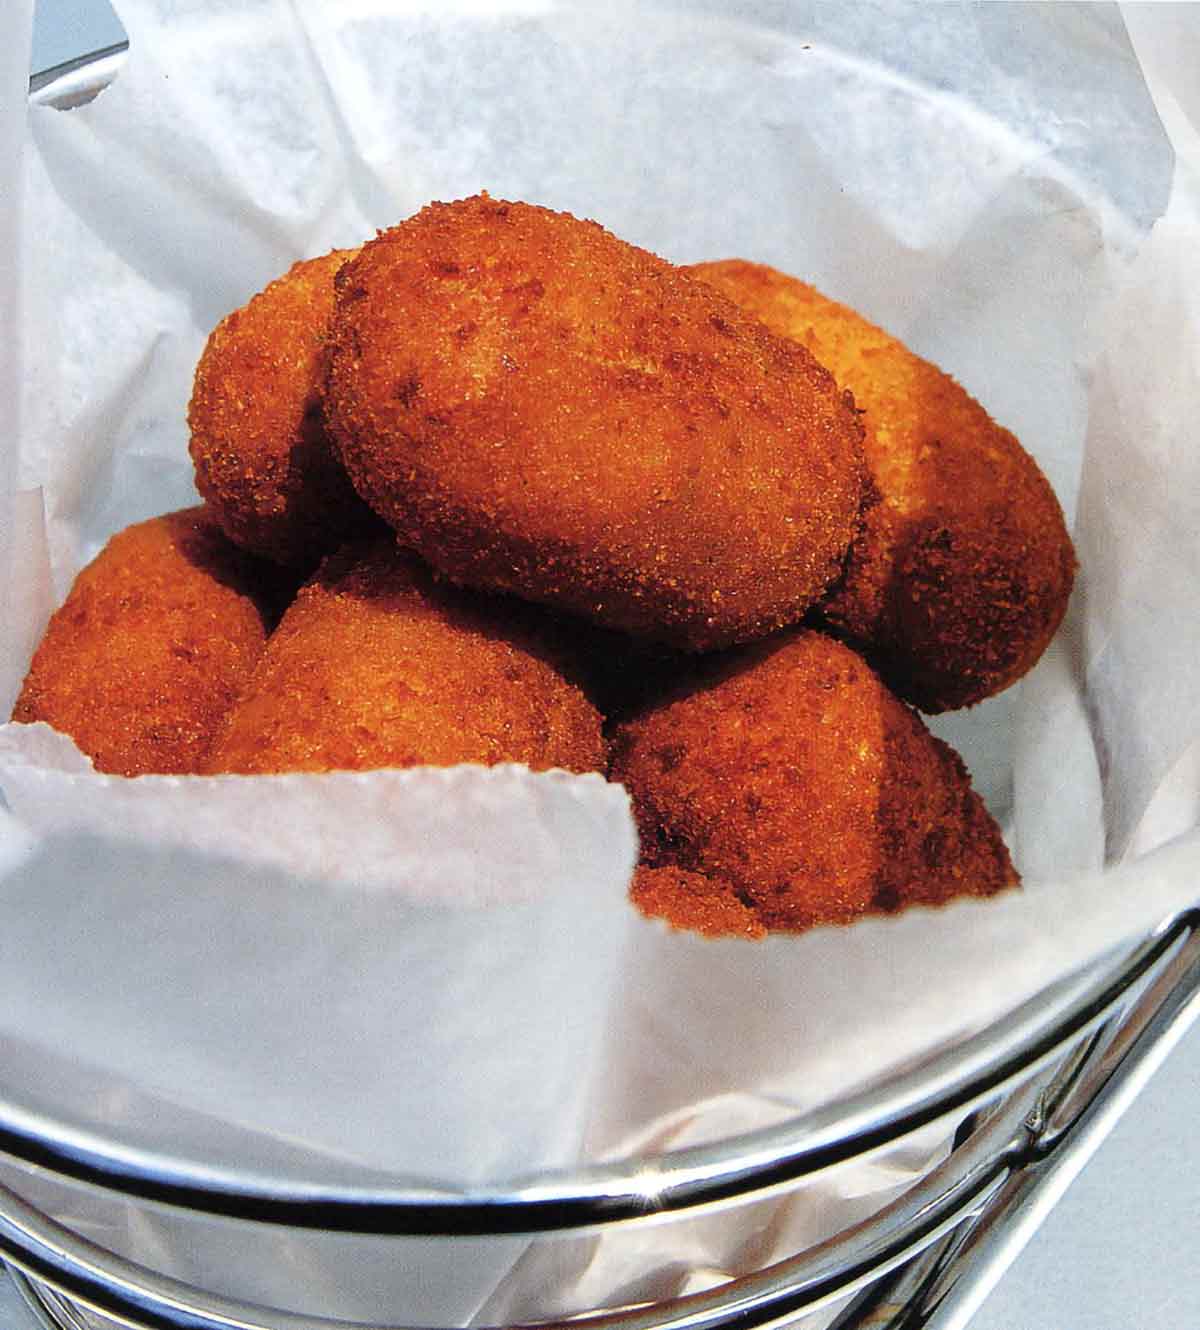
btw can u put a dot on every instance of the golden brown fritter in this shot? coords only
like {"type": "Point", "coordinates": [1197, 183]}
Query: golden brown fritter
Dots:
{"type": "Point", "coordinates": [964, 567]}
{"type": "Point", "coordinates": [149, 650]}
{"type": "Point", "coordinates": [539, 407]}
{"type": "Point", "coordinates": [693, 901]}
{"type": "Point", "coordinates": [375, 664]}
{"type": "Point", "coordinates": [793, 775]}
{"type": "Point", "coordinates": [258, 440]}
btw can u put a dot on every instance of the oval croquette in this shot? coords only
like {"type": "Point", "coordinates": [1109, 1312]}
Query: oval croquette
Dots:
{"type": "Point", "coordinates": [964, 567]}
{"type": "Point", "coordinates": [795, 777]}
{"type": "Point", "coordinates": [377, 665]}
{"type": "Point", "coordinates": [540, 408]}
{"type": "Point", "coordinates": [258, 444]}
{"type": "Point", "coordinates": [151, 646]}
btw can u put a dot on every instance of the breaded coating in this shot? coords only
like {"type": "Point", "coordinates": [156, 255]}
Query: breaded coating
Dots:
{"type": "Point", "coordinates": [694, 902]}
{"type": "Point", "coordinates": [793, 775]}
{"type": "Point", "coordinates": [258, 440]}
{"type": "Point", "coordinates": [375, 664]}
{"type": "Point", "coordinates": [964, 567]}
{"type": "Point", "coordinates": [149, 650]}
{"type": "Point", "coordinates": [540, 408]}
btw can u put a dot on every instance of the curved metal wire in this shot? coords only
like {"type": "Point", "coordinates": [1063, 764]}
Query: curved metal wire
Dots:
{"type": "Point", "coordinates": [1014, 1152]}
{"type": "Point", "coordinates": [77, 81]}
{"type": "Point", "coordinates": [96, 1278]}
{"type": "Point", "coordinates": [755, 1162]}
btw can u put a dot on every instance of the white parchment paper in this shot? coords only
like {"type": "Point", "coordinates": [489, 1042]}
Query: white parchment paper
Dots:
{"type": "Point", "coordinates": [433, 976]}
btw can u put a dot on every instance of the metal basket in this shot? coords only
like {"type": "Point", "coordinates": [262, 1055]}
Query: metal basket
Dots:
{"type": "Point", "coordinates": [1032, 1099]}
{"type": "Point", "coordinates": [1026, 1101]}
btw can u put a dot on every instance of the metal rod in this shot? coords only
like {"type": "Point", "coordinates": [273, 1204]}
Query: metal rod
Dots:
{"type": "Point", "coordinates": [941, 1201]}
{"type": "Point", "coordinates": [755, 1163]}
{"type": "Point", "coordinates": [136, 1296]}
{"type": "Point", "coordinates": [1072, 1135]}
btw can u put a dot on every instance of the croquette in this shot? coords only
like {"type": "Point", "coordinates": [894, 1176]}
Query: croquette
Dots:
{"type": "Point", "coordinates": [376, 664]}
{"type": "Point", "coordinates": [151, 646]}
{"type": "Point", "coordinates": [538, 407]}
{"type": "Point", "coordinates": [258, 443]}
{"type": "Point", "coordinates": [963, 570]}
{"type": "Point", "coordinates": [789, 774]}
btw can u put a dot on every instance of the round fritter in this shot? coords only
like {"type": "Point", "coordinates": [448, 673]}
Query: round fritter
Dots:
{"type": "Point", "coordinates": [375, 664]}
{"type": "Point", "coordinates": [540, 408]}
{"type": "Point", "coordinates": [794, 776]}
{"type": "Point", "coordinates": [964, 567]}
{"type": "Point", "coordinates": [149, 650]}
{"type": "Point", "coordinates": [258, 440]}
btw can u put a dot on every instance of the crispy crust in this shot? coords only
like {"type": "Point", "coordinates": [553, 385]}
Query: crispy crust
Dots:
{"type": "Point", "coordinates": [541, 408]}
{"type": "Point", "coordinates": [149, 650]}
{"type": "Point", "coordinates": [375, 664]}
{"type": "Point", "coordinates": [693, 902]}
{"type": "Point", "coordinates": [258, 443]}
{"type": "Point", "coordinates": [964, 568]}
{"type": "Point", "coordinates": [792, 775]}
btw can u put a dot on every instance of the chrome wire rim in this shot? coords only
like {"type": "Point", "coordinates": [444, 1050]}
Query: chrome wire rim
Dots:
{"type": "Point", "coordinates": [753, 1163]}
{"type": "Point", "coordinates": [1018, 1142]}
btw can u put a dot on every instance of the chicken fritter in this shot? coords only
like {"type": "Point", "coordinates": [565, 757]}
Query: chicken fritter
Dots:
{"type": "Point", "coordinates": [258, 442]}
{"type": "Point", "coordinates": [151, 646]}
{"type": "Point", "coordinates": [540, 408]}
{"type": "Point", "coordinates": [375, 664]}
{"type": "Point", "coordinates": [963, 570]}
{"type": "Point", "coordinates": [793, 777]}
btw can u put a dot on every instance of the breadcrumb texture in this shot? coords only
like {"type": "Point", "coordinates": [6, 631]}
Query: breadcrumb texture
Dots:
{"type": "Point", "coordinates": [375, 664]}
{"type": "Point", "coordinates": [964, 567]}
{"type": "Point", "coordinates": [793, 776]}
{"type": "Point", "coordinates": [258, 443]}
{"type": "Point", "coordinates": [693, 902]}
{"type": "Point", "coordinates": [151, 646]}
{"type": "Point", "coordinates": [540, 408]}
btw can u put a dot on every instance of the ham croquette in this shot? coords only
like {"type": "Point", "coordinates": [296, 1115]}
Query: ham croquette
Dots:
{"type": "Point", "coordinates": [964, 567]}
{"type": "Point", "coordinates": [790, 775]}
{"type": "Point", "coordinates": [376, 664]}
{"type": "Point", "coordinates": [538, 407]}
{"type": "Point", "coordinates": [258, 443]}
{"type": "Point", "coordinates": [152, 645]}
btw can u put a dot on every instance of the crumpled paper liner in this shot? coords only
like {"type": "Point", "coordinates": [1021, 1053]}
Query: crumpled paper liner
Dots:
{"type": "Point", "coordinates": [434, 977]}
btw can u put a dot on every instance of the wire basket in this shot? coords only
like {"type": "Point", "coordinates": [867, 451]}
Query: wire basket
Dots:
{"type": "Point", "coordinates": [1024, 1103]}
{"type": "Point", "coordinates": [1031, 1100]}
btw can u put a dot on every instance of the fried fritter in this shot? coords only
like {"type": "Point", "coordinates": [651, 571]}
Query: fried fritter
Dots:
{"type": "Point", "coordinates": [150, 648]}
{"type": "Point", "coordinates": [258, 440]}
{"type": "Point", "coordinates": [795, 777]}
{"type": "Point", "coordinates": [375, 664]}
{"type": "Point", "coordinates": [540, 408]}
{"type": "Point", "coordinates": [964, 567]}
